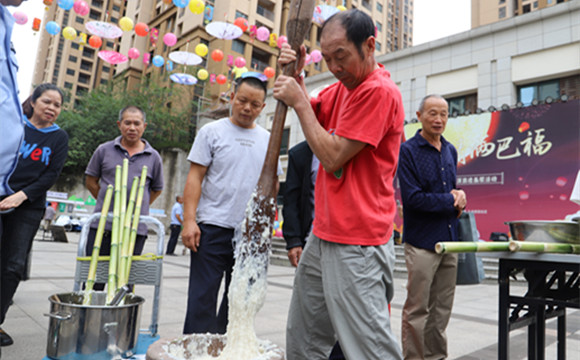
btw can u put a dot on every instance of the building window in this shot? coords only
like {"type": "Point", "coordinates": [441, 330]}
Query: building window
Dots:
{"type": "Point", "coordinates": [501, 12]}
{"type": "Point", "coordinates": [74, 45]}
{"type": "Point", "coordinates": [367, 4]}
{"type": "Point", "coordinates": [240, 14]}
{"type": "Point", "coordinates": [68, 85]}
{"type": "Point", "coordinates": [88, 52]}
{"type": "Point", "coordinates": [110, 44]}
{"type": "Point", "coordinates": [379, 7]}
{"type": "Point", "coordinates": [238, 46]}
{"type": "Point", "coordinates": [462, 104]}
{"type": "Point", "coordinates": [80, 20]}
{"type": "Point", "coordinates": [116, 8]}
{"type": "Point", "coordinates": [70, 72]}
{"type": "Point", "coordinates": [106, 69]}
{"type": "Point", "coordinates": [539, 91]}
{"type": "Point", "coordinates": [379, 26]}
{"type": "Point", "coordinates": [81, 91]}
{"type": "Point", "coordinates": [501, 2]}
{"type": "Point", "coordinates": [285, 141]}
{"type": "Point", "coordinates": [265, 9]}
{"type": "Point", "coordinates": [72, 58]}
{"type": "Point", "coordinates": [84, 79]}
{"type": "Point", "coordinates": [378, 46]}
{"type": "Point", "coordinates": [260, 59]}
{"type": "Point", "coordinates": [86, 66]}
{"type": "Point", "coordinates": [94, 15]}
{"type": "Point", "coordinates": [535, 4]}
{"type": "Point", "coordinates": [526, 9]}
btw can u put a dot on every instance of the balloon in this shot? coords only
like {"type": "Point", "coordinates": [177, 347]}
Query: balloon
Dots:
{"type": "Point", "coordinates": [169, 65]}
{"type": "Point", "coordinates": [202, 74]}
{"type": "Point", "coordinates": [180, 3]}
{"type": "Point", "coordinates": [133, 53]}
{"type": "Point", "coordinates": [158, 60]}
{"type": "Point", "coordinates": [269, 72]}
{"type": "Point", "coordinates": [316, 55]}
{"type": "Point", "coordinates": [281, 41]}
{"type": "Point", "coordinates": [278, 233]}
{"type": "Point", "coordinates": [262, 33]}
{"type": "Point", "coordinates": [20, 18]}
{"type": "Point", "coordinates": [221, 79]}
{"type": "Point", "coordinates": [341, 8]}
{"type": "Point", "coordinates": [81, 7]}
{"type": "Point", "coordinates": [240, 62]}
{"type": "Point", "coordinates": [47, 2]}
{"type": "Point", "coordinates": [146, 57]}
{"type": "Point", "coordinates": [212, 78]}
{"type": "Point", "coordinates": [307, 59]}
{"type": "Point", "coordinates": [126, 24]}
{"type": "Point", "coordinates": [66, 4]}
{"type": "Point", "coordinates": [69, 33]}
{"type": "Point", "coordinates": [230, 61]}
{"type": "Point", "coordinates": [196, 6]}
{"type": "Point", "coordinates": [83, 40]}
{"type": "Point", "coordinates": [95, 41]}
{"type": "Point", "coordinates": [141, 29]}
{"type": "Point", "coordinates": [217, 55]}
{"type": "Point", "coordinates": [276, 224]}
{"type": "Point", "coordinates": [52, 28]}
{"type": "Point", "coordinates": [170, 39]}
{"type": "Point", "coordinates": [253, 30]}
{"type": "Point", "coordinates": [168, 2]}
{"type": "Point", "coordinates": [201, 50]}
{"type": "Point", "coordinates": [242, 23]}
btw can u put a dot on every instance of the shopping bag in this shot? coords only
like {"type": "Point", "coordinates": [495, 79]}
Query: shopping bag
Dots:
{"type": "Point", "coordinates": [469, 266]}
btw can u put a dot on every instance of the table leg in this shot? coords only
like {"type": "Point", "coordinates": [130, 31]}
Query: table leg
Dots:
{"type": "Point", "coordinates": [503, 313]}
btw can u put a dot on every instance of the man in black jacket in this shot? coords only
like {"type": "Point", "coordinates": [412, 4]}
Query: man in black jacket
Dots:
{"type": "Point", "coordinates": [298, 208]}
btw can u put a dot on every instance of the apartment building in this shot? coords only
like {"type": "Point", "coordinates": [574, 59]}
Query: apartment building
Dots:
{"type": "Point", "coordinates": [485, 12]}
{"type": "Point", "coordinates": [73, 65]}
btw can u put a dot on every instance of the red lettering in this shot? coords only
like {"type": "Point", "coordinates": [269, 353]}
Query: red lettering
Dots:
{"type": "Point", "coordinates": [36, 154]}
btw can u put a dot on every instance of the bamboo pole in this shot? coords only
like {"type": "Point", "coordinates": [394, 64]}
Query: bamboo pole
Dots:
{"type": "Point", "coordinates": [124, 180]}
{"type": "Point", "coordinates": [529, 246]}
{"type": "Point", "coordinates": [136, 216]}
{"type": "Point", "coordinates": [123, 272]}
{"type": "Point", "coordinates": [97, 247]}
{"type": "Point", "coordinates": [112, 280]}
{"type": "Point", "coordinates": [470, 246]}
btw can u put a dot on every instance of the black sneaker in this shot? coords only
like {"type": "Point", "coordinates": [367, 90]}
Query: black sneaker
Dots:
{"type": "Point", "coordinates": [5, 339]}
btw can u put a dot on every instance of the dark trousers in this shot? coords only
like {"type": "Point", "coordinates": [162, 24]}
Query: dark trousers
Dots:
{"type": "Point", "coordinates": [175, 231]}
{"type": "Point", "coordinates": [213, 260]}
{"type": "Point", "coordinates": [18, 230]}
{"type": "Point", "coordinates": [106, 248]}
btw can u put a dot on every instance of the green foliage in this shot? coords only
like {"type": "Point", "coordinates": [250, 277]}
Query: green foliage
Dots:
{"type": "Point", "coordinates": [93, 120]}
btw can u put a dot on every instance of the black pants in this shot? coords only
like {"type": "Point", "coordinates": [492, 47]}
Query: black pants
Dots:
{"type": "Point", "coordinates": [175, 231]}
{"type": "Point", "coordinates": [106, 248]}
{"type": "Point", "coordinates": [213, 260]}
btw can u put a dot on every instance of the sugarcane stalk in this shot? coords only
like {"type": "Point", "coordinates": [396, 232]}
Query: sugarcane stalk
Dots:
{"type": "Point", "coordinates": [112, 280]}
{"type": "Point", "coordinates": [91, 278]}
{"type": "Point", "coordinates": [123, 273]}
{"type": "Point", "coordinates": [124, 180]}
{"type": "Point", "coordinates": [136, 216]}
{"type": "Point", "coordinates": [470, 246]}
{"type": "Point", "coordinates": [529, 246]}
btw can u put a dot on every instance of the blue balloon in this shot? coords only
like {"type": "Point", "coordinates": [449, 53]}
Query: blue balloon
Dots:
{"type": "Point", "coordinates": [52, 28]}
{"type": "Point", "coordinates": [276, 224]}
{"type": "Point", "coordinates": [169, 65]}
{"type": "Point", "coordinates": [180, 3]}
{"type": "Point", "coordinates": [66, 4]}
{"type": "Point", "coordinates": [158, 60]}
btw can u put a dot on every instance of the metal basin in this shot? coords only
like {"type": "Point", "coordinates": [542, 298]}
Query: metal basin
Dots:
{"type": "Point", "coordinates": [95, 331]}
{"type": "Point", "coordinates": [557, 231]}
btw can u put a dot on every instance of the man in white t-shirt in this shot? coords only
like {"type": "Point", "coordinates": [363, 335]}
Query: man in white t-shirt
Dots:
{"type": "Point", "coordinates": [225, 163]}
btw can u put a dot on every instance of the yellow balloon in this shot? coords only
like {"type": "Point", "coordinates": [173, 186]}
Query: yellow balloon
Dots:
{"type": "Point", "coordinates": [69, 33]}
{"type": "Point", "coordinates": [201, 50]}
{"type": "Point", "coordinates": [341, 8]}
{"type": "Point", "coordinates": [202, 74]}
{"type": "Point", "coordinates": [196, 6]}
{"type": "Point", "coordinates": [126, 24]}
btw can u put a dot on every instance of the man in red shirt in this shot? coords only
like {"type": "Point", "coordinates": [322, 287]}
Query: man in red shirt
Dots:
{"type": "Point", "coordinates": [344, 279]}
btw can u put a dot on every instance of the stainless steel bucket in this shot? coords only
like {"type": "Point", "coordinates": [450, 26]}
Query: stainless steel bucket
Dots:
{"type": "Point", "coordinates": [77, 331]}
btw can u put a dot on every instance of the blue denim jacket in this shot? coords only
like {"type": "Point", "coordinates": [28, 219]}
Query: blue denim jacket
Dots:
{"type": "Point", "coordinates": [11, 121]}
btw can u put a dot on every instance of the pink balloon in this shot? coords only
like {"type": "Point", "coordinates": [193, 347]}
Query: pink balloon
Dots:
{"type": "Point", "coordinates": [230, 61]}
{"type": "Point", "coordinates": [307, 59]}
{"type": "Point", "coordinates": [240, 62]}
{"type": "Point", "coordinates": [262, 33]}
{"type": "Point", "coordinates": [316, 55]}
{"type": "Point", "coordinates": [281, 41]}
{"type": "Point", "coordinates": [81, 7]}
{"type": "Point", "coordinates": [146, 58]}
{"type": "Point", "coordinates": [133, 53]}
{"type": "Point", "coordinates": [170, 39]}
{"type": "Point", "coordinates": [20, 18]}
